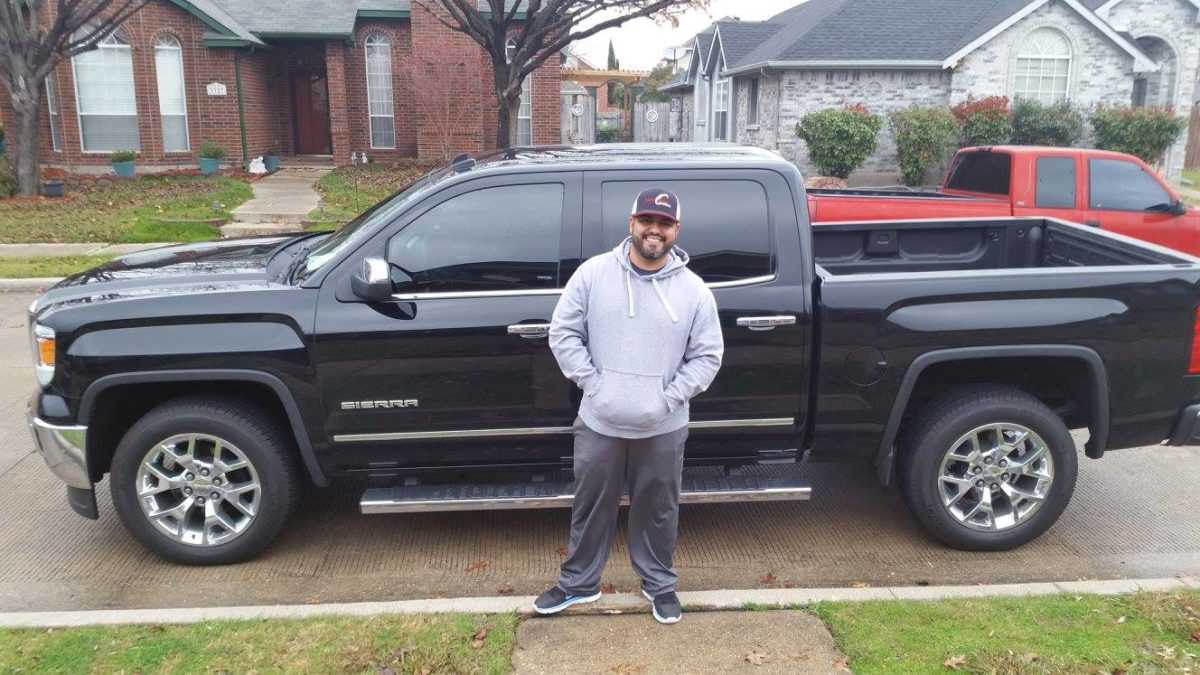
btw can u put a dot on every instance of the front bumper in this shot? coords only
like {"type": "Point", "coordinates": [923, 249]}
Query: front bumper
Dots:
{"type": "Point", "coordinates": [65, 450]}
{"type": "Point", "coordinates": [1187, 427]}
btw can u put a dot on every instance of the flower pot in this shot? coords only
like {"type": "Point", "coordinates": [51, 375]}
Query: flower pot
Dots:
{"type": "Point", "coordinates": [123, 169]}
{"type": "Point", "coordinates": [208, 165]}
{"type": "Point", "coordinates": [52, 188]}
{"type": "Point", "coordinates": [271, 162]}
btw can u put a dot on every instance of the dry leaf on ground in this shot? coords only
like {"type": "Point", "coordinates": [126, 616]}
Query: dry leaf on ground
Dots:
{"type": "Point", "coordinates": [842, 664]}
{"type": "Point", "coordinates": [861, 584]}
{"type": "Point", "coordinates": [954, 662]}
{"type": "Point", "coordinates": [768, 578]}
{"type": "Point", "coordinates": [561, 551]}
{"type": "Point", "coordinates": [608, 588]}
{"type": "Point", "coordinates": [480, 636]}
{"type": "Point", "coordinates": [1030, 657]}
{"type": "Point", "coordinates": [756, 658]}
{"type": "Point", "coordinates": [505, 590]}
{"type": "Point", "coordinates": [628, 668]}
{"type": "Point", "coordinates": [1195, 636]}
{"type": "Point", "coordinates": [478, 566]}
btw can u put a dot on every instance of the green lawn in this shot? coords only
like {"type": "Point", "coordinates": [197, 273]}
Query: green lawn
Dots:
{"type": "Point", "coordinates": [348, 191]}
{"type": "Point", "coordinates": [27, 268]}
{"type": "Point", "coordinates": [1192, 175]}
{"type": "Point", "coordinates": [1149, 632]}
{"type": "Point", "coordinates": [148, 209]}
{"type": "Point", "coordinates": [443, 643]}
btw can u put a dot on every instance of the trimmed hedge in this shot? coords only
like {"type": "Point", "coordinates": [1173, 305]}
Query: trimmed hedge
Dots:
{"type": "Point", "coordinates": [840, 140]}
{"type": "Point", "coordinates": [1143, 132]}
{"type": "Point", "coordinates": [1057, 124]}
{"type": "Point", "coordinates": [985, 121]}
{"type": "Point", "coordinates": [924, 138]}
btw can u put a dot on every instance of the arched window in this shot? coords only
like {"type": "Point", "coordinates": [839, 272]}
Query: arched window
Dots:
{"type": "Point", "coordinates": [104, 95]}
{"type": "Point", "coordinates": [379, 92]}
{"type": "Point", "coordinates": [172, 106]}
{"type": "Point", "coordinates": [1043, 67]}
{"type": "Point", "coordinates": [525, 111]}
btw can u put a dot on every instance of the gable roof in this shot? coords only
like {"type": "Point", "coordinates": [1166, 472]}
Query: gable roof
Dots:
{"type": "Point", "coordinates": [883, 33]}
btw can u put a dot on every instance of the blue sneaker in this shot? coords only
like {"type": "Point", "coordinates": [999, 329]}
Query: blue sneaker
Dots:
{"type": "Point", "coordinates": [666, 607]}
{"type": "Point", "coordinates": [556, 600]}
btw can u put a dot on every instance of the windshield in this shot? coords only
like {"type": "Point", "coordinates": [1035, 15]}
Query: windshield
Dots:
{"type": "Point", "coordinates": [354, 231]}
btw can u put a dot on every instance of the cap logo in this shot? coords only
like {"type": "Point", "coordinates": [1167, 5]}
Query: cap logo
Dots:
{"type": "Point", "coordinates": [663, 200]}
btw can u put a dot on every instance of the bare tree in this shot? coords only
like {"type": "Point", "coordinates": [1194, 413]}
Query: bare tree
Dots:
{"type": "Point", "coordinates": [518, 46]}
{"type": "Point", "coordinates": [442, 115]}
{"type": "Point", "coordinates": [35, 36]}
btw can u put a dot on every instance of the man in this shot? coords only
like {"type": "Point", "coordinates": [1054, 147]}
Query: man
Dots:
{"type": "Point", "coordinates": [638, 332]}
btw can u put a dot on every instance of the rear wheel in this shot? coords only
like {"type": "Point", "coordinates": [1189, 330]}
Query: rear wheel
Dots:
{"type": "Point", "coordinates": [205, 481]}
{"type": "Point", "coordinates": [988, 468]}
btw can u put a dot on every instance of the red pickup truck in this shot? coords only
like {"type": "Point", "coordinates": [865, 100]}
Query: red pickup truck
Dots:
{"type": "Point", "coordinates": [1109, 190]}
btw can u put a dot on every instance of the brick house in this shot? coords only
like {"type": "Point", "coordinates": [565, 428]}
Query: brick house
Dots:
{"type": "Point", "coordinates": [752, 82]}
{"type": "Point", "coordinates": [321, 78]}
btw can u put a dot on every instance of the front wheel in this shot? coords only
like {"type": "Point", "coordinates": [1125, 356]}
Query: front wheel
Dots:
{"type": "Point", "coordinates": [988, 468]}
{"type": "Point", "coordinates": [205, 481]}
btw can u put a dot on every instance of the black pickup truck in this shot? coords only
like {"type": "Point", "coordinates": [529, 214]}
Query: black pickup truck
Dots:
{"type": "Point", "coordinates": [214, 382]}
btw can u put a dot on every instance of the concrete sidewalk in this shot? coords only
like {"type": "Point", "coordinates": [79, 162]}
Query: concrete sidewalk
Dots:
{"type": "Point", "coordinates": [55, 250]}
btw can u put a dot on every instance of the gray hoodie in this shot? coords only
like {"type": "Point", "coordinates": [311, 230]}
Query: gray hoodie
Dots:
{"type": "Point", "coordinates": [640, 347]}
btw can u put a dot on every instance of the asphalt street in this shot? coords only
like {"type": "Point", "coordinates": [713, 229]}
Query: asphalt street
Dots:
{"type": "Point", "coordinates": [1133, 516]}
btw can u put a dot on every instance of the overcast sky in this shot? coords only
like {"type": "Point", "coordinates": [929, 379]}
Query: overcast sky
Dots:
{"type": "Point", "coordinates": [640, 43]}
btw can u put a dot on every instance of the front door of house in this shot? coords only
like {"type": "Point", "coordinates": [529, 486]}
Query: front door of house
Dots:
{"type": "Point", "coordinates": [310, 113]}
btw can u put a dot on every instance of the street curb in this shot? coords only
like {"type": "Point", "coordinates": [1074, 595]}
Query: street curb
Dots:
{"type": "Point", "coordinates": [616, 603]}
{"type": "Point", "coordinates": [34, 284]}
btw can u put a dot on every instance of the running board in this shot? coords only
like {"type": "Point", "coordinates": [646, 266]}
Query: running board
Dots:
{"type": "Point", "coordinates": [496, 497]}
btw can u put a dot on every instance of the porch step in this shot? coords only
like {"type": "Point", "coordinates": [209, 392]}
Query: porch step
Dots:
{"type": "Point", "coordinates": [246, 229]}
{"type": "Point", "coordinates": [497, 496]}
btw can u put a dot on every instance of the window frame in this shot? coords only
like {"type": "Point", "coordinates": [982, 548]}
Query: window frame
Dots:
{"type": "Point", "coordinates": [391, 88]}
{"type": "Point", "coordinates": [53, 111]}
{"type": "Point", "coordinates": [526, 104]}
{"type": "Point", "coordinates": [1091, 202]}
{"type": "Point", "coordinates": [752, 95]}
{"type": "Point", "coordinates": [117, 34]}
{"type": "Point", "coordinates": [1026, 55]}
{"type": "Point", "coordinates": [1074, 182]}
{"type": "Point", "coordinates": [187, 133]}
{"type": "Point", "coordinates": [721, 95]}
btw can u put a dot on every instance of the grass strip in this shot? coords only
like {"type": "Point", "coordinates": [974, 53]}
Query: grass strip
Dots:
{"type": "Point", "coordinates": [1146, 632]}
{"type": "Point", "coordinates": [50, 266]}
{"type": "Point", "coordinates": [146, 209]}
{"type": "Point", "coordinates": [348, 191]}
{"type": "Point", "coordinates": [428, 643]}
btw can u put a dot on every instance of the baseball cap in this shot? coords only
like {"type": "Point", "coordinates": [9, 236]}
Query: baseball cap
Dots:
{"type": "Point", "coordinates": [658, 201]}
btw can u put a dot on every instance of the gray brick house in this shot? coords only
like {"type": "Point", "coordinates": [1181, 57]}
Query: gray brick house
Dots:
{"type": "Point", "coordinates": [750, 82]}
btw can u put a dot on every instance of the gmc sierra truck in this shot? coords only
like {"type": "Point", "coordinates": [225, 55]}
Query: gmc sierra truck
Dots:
{"type": "Point", "coordinates": [213, 382]}
{"type": "Point", "coordinates": [1108, 190]}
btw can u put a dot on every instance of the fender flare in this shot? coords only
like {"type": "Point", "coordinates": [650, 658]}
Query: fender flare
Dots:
{"type": "Point", "coordinates": [95, 389]}
{"type": "Point", "coordinates": [885, 456]}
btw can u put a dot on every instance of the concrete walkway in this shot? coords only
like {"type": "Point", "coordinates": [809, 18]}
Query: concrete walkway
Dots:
{"type": "Point", "coordinates": [54, 250]}
{"type": "Point", "coordinates": [280, 204]}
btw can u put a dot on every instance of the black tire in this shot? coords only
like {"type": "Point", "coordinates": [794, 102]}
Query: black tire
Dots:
{"type": "Point", "coordinates": [947, 419]}
{"type": "Point", "coordinates": [259, 437]}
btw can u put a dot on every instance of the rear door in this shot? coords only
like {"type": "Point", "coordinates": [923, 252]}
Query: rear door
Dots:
{"type": "Point", "coordinates": [1055, 191]}
{"type": "Point", "coordinates": [740, 229]}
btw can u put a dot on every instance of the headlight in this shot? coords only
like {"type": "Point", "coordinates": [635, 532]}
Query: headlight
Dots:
{"type": "Point", "coordinates": [44, 345]}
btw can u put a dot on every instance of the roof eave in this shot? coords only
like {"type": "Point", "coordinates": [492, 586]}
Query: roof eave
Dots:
{"type": "Point", "coordinates": [877, 64]}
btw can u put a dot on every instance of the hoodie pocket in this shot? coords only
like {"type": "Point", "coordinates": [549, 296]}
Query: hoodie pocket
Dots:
{"type": "Point", "coordinates": [630, 400]}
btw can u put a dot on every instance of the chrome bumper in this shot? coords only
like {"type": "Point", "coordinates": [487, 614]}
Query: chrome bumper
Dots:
{"type": "Point", "coordinates": [64, 449]}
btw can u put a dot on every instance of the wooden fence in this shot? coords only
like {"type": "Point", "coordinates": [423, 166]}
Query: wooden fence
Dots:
{"type": "Point", "coordinates": [652, 122]}
{"type": "Point", "coordinates": [578, 119]}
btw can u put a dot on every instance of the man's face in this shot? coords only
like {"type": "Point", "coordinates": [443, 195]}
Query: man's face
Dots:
{"type": "Point", "coordinates": [653, 236]}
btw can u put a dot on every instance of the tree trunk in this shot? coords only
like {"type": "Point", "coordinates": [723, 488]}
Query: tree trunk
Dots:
{"type": "Point", "coordinates": [26, 144]}
{"type": "Point", "coordinates": [507, 120]}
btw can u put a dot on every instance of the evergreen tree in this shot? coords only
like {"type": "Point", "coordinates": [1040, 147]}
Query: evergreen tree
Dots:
{"type": "Point", "coordinates": [613, 63]}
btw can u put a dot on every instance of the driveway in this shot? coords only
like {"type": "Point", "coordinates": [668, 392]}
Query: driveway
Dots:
{"type": "Point", "coordinates": [1133, 515]}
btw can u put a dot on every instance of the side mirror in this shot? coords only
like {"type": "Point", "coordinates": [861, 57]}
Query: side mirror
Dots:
{"type": "Point", "coordinates": [372, 282]}
{"type": "Point", "coordinates": [1179, 208]}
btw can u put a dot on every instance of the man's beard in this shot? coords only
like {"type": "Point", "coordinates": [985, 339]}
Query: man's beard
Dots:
{"type": "Point", "coordinates": [640, 244]}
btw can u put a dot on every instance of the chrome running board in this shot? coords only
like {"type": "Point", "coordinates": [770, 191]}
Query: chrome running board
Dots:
{"type": "Point", "coordinates": [496, 497]}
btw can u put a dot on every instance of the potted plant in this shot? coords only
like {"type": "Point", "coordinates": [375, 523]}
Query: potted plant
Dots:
{"type": "Point", "coordinates": [211, 154]}
{"type": "Point", "coordinates": [271, 159]}
{"type": "Point", "coordinates": [52, 187]}
{"type": "Point", "coordinates": [122, 162]}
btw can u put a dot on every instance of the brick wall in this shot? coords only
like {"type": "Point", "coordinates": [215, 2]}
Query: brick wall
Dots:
{"type": "Point", "coordinates": [398, 34]}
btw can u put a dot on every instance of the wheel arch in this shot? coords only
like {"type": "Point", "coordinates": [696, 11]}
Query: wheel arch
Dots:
{"type": "Point", "coordinates": [103, 438]}
{"type": "Point", "coordinates": [1093, 365]}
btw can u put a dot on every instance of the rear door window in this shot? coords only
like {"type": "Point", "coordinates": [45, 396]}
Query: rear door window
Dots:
{"type": "Point", "coordinates": [1118, 185]}
{"type": "Point", "coordinates": [986, 172]}
{"type": "Point", "coordinates": [726, 225]}
{"type": "Point", "coordinates": [1056, 182]}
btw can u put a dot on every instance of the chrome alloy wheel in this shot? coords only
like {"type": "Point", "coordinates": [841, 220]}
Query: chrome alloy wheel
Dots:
{"type": "Point", "coordinates": [996, 477]}
{"type": "Point", "coordinates": [198, 489]}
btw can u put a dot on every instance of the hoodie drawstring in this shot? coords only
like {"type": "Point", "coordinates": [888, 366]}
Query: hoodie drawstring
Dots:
{"type": "Point", "coordinates": [629, 293]}
{"type": "Point", "coordinates": [663, 297]}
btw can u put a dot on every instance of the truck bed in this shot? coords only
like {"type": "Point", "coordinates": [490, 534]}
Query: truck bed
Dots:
{"type": "Point", "coordinates": [976, 244]}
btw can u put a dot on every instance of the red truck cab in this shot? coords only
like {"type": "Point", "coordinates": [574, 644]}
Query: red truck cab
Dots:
{"type": "Point", "coordinates": [1109, 190]}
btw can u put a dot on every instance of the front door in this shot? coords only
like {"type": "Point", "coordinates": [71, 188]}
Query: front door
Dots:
{"type": "Point", "coordinates": [310, 113]}
{"type": "Point", "coordinates": [456, 369]}
{"type": "Point", "coordinates": [1124, 198]}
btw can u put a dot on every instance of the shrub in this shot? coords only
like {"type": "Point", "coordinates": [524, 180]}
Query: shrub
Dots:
{"type": "Point", "coordinates": [118, 156]}
{"type": "Point", "coordinates": [1057, 124]}
{"type": "Point", "coordinates": [840, 140]}
{"type": "Point", "coordinates": [611, 135]}
{"type": "Point", "coordinates": [8, 179]}
{"type": "Point", "coordinates": [1144, 132]}
{"type": "Point", "coordinates": [924, 138]}
{"type": "Point", "coordinates": [212, 150]}
{"type": "Point", "coordinates": [1, 132]}
{"type": "Point", "coordinates": [985, 121]}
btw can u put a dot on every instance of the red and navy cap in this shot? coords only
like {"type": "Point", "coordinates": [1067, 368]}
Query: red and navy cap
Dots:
{"type": "Point", "coordinates": [658, 201]}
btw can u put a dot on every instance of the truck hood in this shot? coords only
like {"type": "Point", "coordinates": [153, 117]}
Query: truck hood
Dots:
{"type": "Point", "coordinates": [202, 267]}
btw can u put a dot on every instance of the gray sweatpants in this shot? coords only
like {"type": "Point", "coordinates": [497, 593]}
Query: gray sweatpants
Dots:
{"type": "Point", "coordinates": [652, 469]}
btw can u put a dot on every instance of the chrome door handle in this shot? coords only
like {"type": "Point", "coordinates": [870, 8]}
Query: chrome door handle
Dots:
{"type": "Point", "coordinates": [530, 331]}
{"type": "Point", "coordinates": [765, 322]}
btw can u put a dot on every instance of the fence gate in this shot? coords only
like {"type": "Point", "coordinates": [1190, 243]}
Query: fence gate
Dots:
{"type": "Point", "coordinates": [652, 122]}
{"type": "Point", "coordinates": [578, 119]}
